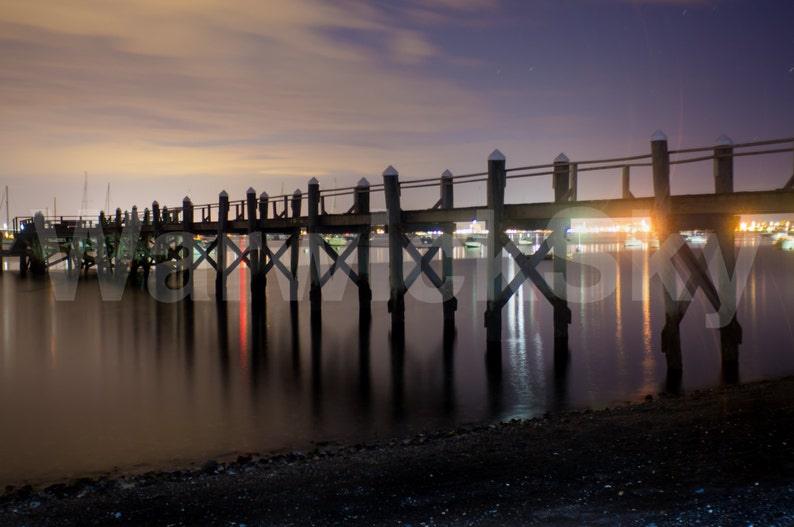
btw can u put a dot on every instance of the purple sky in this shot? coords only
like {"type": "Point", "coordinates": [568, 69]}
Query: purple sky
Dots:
{"type": "Point", "coordinates": [165, 99]}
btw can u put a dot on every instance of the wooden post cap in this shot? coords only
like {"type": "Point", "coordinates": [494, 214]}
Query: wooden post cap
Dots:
{"type": "Point", "coordinates": [723, 140]}
{"type": "Point", "coordinates": [496, 155]}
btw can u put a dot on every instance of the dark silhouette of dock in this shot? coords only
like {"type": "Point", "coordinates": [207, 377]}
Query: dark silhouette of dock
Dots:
{"type": "Point", "coordinates": [168, 239]}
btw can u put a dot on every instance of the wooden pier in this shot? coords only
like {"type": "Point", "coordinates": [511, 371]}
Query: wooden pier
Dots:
{"type": "Point", "coordinates": [164, 241]}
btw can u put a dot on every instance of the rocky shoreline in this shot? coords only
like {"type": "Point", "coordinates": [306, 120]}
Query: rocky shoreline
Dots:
{"type": "Point", "coordinates": [716, 457]}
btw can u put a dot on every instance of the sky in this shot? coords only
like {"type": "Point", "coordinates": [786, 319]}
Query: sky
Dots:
{"type": "Point", "coordinates": [161, 99]}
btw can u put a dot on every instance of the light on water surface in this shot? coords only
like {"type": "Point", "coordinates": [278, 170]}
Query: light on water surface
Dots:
{"type": "Point", "coordinates": [86, 385]}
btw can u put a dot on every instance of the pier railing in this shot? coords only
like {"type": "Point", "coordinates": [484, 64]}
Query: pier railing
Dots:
{"type": "Point", "coordinates": [167, 235]}
{"type": "Point", "coordinates": [563, 173]}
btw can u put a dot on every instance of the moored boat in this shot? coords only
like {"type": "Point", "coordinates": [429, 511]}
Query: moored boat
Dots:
{"type": "Point", "coordinates": [472, 243]}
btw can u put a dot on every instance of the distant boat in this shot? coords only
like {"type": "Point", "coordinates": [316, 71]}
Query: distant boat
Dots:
{"type": "Point", "coordinates": [695, 238]}
{"type": "Point", "coordinates": [785, 243]}
{"type": "Point", "coordinates": [472, 243]}
{"type": "Point", "coordinates": [633, 243]}
{"type": "Point", "coordinates": [526, 241]}
{"type": "Point", "coordinates": [336, 241]}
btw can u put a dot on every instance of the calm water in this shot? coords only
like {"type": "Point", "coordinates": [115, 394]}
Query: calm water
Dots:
{"type": "Point", "coordinates": [88, 386]}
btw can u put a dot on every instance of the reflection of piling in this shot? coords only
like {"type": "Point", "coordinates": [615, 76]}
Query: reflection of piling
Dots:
{"type": "Point", "coordinates": [187, 310]}
{"type": "Point", "coordinates": [394, 225]}
{"type": "Point", "coordinates": [364, 375]}
{"type": "Point", "coordinates": [295, 338]}
{"type": "Point", "coordinates": [448, 399]}
{"type": "Point", "coordinates": [497, 179]}
{"type": "Point", "coordinates": [397, 342]}
{"type": "Point", "coordinates": [493, 376]}
{"type": "Point", "coordinates": [562, 360]}
{"type": "Point", "coordinates": [317, 362]}
{"type": "Point", "coordinates": [222, 315]}
{"type": "Point", "coordinates": [258, 343]}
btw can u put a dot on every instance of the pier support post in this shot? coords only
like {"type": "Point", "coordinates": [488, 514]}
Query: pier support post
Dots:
{"type": "Point", "coordinates": [255, 248]}
{"type": "Point", "coordinates": [673, 309]}
{"type": "Point", "coordinates": [396, 303]}
{"type": "Point", "coordinates": [187, 245]}
{"type": "Point", "coordinates": [313, 209]}
{"type": "Point", "coordinates": [156, 218]}
{"type": "Point", "coordinates": [261, 273]}
{"type": "Point", "coordinates": [563, 186]}
{"type": "Point", "coordinates": [497, 179]}
{"type": "Point", "coordinates": [731, 333]}
{"type": "Point", "coordinates": [297, 199]}
{"type": "Point", "coordinates": [220, 247]}
{"type": "Point", "coordinates": [361, 206]}
{"type": "Point", "coordinates": [627, 182]}
{"type": "Point", "coordinates": [447, 290]}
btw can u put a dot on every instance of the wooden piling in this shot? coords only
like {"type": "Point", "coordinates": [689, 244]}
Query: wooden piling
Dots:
{"type": "Point", "coordinates": [396, 305]}
{"type": "Point", "coordinates": [295, 204]}
{"type": "Point", "coordinates": [497, 179]}
{"type": "Point", "coordinates": [673, 309]}
{"type": "Point", "coordinates": [731, 333]}
{"type": "Point", "coordinates": [220, 246]}
{"type": "Point", "coordinates": [447, 290]}
{"type": "Point", "coordinates": [315, 239]}
{"type": "Point", "coordinates": [627, 182]}
{"type": "Point", "coordinates": [156, 218]}
{"type": "Point", "coordinates": [361, 203]}
{"type": "Point", "coordinates": [562, 193]}
{"type": "Point", "coordinates": [723, 165]}
{"type": "Point", "coordinates": [561, 178]}
{"type": "Point", "coordinates": [790, 183]}
{"type": "Point", "coordinates": [260, 271]}
{"type": "Point", "coordinates": [186, 266]}
{"type": "Point", "coordinates": [573, 182]}
{"type": "Point", "coordinates": [254, 247]}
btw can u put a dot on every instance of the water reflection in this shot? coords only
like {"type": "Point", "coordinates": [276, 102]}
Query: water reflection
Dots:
{"type": "Point", "coordinates": [89, 385]}
{"type": "Point", "coordinates": [448, 390]}
{"type": "Point", "coordinates": [397, 353]}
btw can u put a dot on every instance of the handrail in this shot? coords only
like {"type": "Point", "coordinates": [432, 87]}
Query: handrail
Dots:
{"type": "Point", "coordinates": [591, 165]}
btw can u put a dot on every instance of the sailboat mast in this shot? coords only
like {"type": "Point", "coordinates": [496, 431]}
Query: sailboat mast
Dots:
{"type": "Point", "coordinates": [84, 204]}
{"type": "Point", "coordinates": [8, 211]}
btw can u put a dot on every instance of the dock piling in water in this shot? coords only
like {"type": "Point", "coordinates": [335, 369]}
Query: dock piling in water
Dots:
{"type": "Point", "coordinates": [170, 237]}
{"type": "Point", "coordinates": [396, 306]}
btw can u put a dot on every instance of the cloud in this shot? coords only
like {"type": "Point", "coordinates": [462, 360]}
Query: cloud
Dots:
{"type": "Point", "coordinates": [112, 73]}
